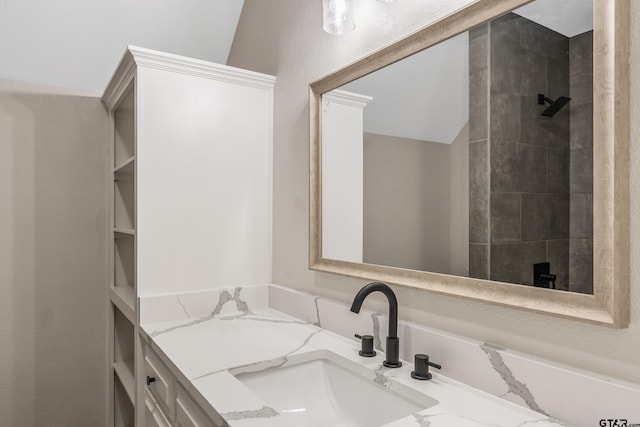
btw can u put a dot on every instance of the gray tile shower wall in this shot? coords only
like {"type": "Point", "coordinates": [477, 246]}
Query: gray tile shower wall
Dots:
{"type": "Point", "coordinates": [478, 152]}
{"type": "Point", "coordinates": [535, 202]}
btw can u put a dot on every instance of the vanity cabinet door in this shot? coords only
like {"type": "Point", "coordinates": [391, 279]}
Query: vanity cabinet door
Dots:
{"type": "Point", "coordinates": [189, 413]}
{"type": "Point", "coordinates": [160, 382]}
{"type": "Point", "coordinates": [153, 416]}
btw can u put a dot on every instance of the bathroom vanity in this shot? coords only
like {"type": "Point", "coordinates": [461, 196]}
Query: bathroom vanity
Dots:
{"type": "Point", "coordinates": [268, 356]}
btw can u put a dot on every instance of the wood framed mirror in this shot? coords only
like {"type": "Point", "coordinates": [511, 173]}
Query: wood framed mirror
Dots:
{"type": "Point", "coordinates": [338, 240]}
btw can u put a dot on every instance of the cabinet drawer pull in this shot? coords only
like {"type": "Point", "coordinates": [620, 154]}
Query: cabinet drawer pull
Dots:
{"type": "Point", "coordinates": [150, 380]}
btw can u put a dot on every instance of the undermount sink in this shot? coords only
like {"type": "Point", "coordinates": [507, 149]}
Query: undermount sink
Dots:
{"type": "Point", "coordinates": [324, 389]}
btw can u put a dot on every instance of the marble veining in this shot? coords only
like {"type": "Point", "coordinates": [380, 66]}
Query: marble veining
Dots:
{"type": "Point", "coordinates": [256, 318]}
{"type": "Point", "coordinates": [223, 298]}
{"type": "Point", "coordinates": [381, 378]}
{"type": "Point", "coordinates": [423, 420]}
{"type": "Point", "coordinates": [377, 342]}
{"type": "Point", "coordinates": [182, 306]}
{"type": "Point", "coordinates": [271, 364]}
{"type": "Point", "coordinates": [263, 365]}
{"type": "Point", "coordinates": [445, 419]}
{"type": "Point", "coordinates": [264, 412]}
{"type": "Point", "coordinates": [448, 419]}
{"type": "Point", "coordinates": [318, 322]}
{"type": "Point", "coordinates": [155, 334]}
{"type": "Point", "coordinates": [516, 387]}
{"type": "Point", "coordinates": [202, 304]}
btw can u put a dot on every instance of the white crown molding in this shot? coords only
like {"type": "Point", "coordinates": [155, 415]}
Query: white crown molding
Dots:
{"type": "Point", "coordinates": [120, 81]}
{"type": "Point", "coordinates": [344, 97]}
{"type": "Point", "coordinates": [196, 67]}
{"type": "Point", "coordinates": [140, 57]}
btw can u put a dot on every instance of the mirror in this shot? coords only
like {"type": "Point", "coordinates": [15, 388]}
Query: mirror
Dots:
{"type": "Point", "coordinates": [475, 156]}
{"type": "Point", "coordinates": [456, 160]}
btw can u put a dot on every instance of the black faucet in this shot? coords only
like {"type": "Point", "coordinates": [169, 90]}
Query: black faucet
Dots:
{"type": "Point", "coordinates": [393, 342]}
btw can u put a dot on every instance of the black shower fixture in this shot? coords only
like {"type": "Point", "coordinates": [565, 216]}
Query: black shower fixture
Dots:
{"type": "Point", "coordinates": [554, 106]}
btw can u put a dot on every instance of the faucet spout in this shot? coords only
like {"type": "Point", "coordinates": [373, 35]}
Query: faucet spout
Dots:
{"type": "Point", "coordinates": [393, 342]}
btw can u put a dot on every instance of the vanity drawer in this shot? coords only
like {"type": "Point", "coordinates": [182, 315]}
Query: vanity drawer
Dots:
{"type": "Point", "coordinates": [189, 414]}
{"type": "Point", "coordinates": [153, 416]}
{"type": "Point", "coordinates": [159, 382]}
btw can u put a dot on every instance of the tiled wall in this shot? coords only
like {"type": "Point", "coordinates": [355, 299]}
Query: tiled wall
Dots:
{"type": "Point", "coordinates": [581, 169]}
{"type": "Point", "coordinates": [478, 152]}
{"type": "Point", "coordinates": [519, 160]}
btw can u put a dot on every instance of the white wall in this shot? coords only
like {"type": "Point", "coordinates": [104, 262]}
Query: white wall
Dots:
{"type": "Point", "coordinates": [407, 196]}
{"type": "Point", "coordinates": [343, 180]}
{"type": "Point", "coordinates": [285, 37]}
{"type": "Point", "coordinates": [53, 257]}
{"type": "Point", "coordinates": [423, 97]}
{"type": "Point", "coordinates": [459, 201]}
{"type": "Point", "coordinates": [78, 43]}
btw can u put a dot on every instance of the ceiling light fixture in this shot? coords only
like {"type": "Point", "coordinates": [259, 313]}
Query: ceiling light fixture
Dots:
{"type": "Point", "coordinates": [338, 16]}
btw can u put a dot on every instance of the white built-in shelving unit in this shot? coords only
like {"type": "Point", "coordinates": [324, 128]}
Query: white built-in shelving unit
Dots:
{"type": "Point", "coordinates": [122, 289]}
{"type": "Point", "coordinates": [190, 195]}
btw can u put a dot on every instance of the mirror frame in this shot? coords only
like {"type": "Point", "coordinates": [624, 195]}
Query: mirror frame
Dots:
{"type": "Point", "coordinates": [609, 303]}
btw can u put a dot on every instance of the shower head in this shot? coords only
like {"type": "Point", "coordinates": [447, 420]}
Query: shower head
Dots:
{"type": "Point", "coordinates": [554, 106]}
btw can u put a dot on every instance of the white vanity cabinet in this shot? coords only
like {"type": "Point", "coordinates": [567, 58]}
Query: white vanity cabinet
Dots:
{"type": "Point", "coordinates": [153, 415]}
{"type": "Point", "coordinates": [190, 199]}
{"type": "Point", "coordinates": [160, 383]}
{"type": "Point", "coordinates": [189, 414]}
{"type": "Point", "coordinates": [167, 403]}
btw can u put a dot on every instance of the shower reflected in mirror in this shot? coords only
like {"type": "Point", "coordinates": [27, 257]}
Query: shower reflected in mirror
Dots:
{"type": "Point", "coordinates": [554, 106]}
{"type": "Point", "coordinates": [495, 179]}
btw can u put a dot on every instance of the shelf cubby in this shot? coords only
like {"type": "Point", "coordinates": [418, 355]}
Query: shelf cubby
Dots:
{"type": "Point", "coordinates": [123, 408]}
{"type": "Point", "coordinates": [123, 331]}
{"type": "Point", "coordinates": [124, 372]}
{"type": "Point", "coordinates": [124, 125]}
{"type": "Point", "coordinates": [124, 351]}
{"type": "Point", "coordinates": [124, 266]}
{"type": "Point", "coordinates": [126, 168]}
{"type": "Point", "coordinates": [124, 198]}
{"type": "Point", "coordinates": [124, 299]}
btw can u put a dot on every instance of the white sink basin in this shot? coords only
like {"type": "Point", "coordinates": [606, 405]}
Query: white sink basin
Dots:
{"type": "Point", "coordinates": [323, 389]}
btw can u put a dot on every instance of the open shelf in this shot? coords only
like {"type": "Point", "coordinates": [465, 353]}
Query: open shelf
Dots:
{"type": "Point", "coordinates": [125, 300]}
{"type": "Point", "coordinates": [125, 231]}
{"type": "Point", "coordinates": [126, 167]}
{"type": "Point", "coordinates": [123, 199]}
{"type": "Point", "coordinates": [124, 371]}
{"type": "Point", "coordinates": [124, 125]}
{"type": "Point", "coordinates": [123, 336]}
{"type": "Point", "coordinates": [123, 368]}
{"type": "Point", "coordinates": [123, 408]}
{"type": "Point", "coordinates": [124, 258]}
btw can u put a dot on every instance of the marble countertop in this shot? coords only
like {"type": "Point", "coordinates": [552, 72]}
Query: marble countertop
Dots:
{"type": "Point", "coordinates": [205, 353]}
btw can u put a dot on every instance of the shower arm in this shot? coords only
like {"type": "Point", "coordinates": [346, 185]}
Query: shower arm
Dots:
{"type": "Point", "coordinates": [542, 99]}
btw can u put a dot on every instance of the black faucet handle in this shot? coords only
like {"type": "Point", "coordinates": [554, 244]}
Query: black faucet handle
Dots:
{"type": "Point", "coordinates": [367, 345]}
{"type": "Point", "coordinates": [422, 364]}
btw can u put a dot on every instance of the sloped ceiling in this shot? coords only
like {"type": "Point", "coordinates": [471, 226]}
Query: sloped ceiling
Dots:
{"type": "Point", "coordinates": [78, 43]}
{"type": "Point", "coordinates": [423, 97]}
{"type": "Point", "coordinates": [567, 17]}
